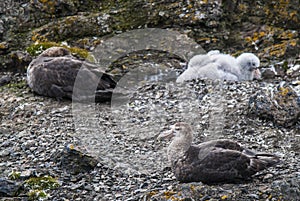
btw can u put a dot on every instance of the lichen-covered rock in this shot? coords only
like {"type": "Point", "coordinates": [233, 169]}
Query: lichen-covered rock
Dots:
{"type": "Point", "coordinates": [281, 105]}
{"type": "Point", "coordinates": [267, 28]}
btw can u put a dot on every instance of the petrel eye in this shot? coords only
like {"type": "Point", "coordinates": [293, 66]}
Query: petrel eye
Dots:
{"type": "Point", "coordinates": [177, 128]}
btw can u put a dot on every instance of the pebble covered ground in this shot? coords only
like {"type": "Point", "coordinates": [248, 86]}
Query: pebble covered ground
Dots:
{"type": "Point", "coordinates": [121, 135]}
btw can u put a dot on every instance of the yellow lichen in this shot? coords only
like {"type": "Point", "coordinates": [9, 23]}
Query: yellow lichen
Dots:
{"type": "Point", "coordinates": [283, 91]}
{"type": "Point", "coordinates": [214, 40]}
{"type": "Point", "coordinates": [293, 42]}
{"type": "Point", "coordinates": [242, 7]}
{"type": "Point", "coordinates": [3, 46]}
{"type": "Point", "coordinates": [36, 37]}
{"type": "Point", "coordinates": [169, 194]}
{"type": "Point", "coordinates": [262, 34]}
{"type": "Point", "coordinates": [152, 193]}
{"type": "Point", "coordinates": [71, 146]}
{"type": "Point", "coordinates": [248, 39]}
{"type": "Point", "coordinates": [190, 6]}
{"type": "Point", "coordinates": [193, 188]}
{"type": "Point", "coordinates": [43, 1]}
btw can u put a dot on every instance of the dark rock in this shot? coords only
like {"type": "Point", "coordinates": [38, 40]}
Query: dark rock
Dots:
{"type": "Point", "coordinates": [75, 160]}
{"type": "Point", "coordinates": [279, 105]}
{"type": "Point", "coordinates": [17, 61]}
{"type": "Point", "coordinates": [268, 73]}
{"type": "Point", "coordinates": [9, 188]}
{"type": "Point", "coordinates": [4, 80]}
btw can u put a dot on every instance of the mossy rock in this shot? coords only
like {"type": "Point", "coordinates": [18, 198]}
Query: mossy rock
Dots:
{"type": "Point", "coordinates": [37, 48]}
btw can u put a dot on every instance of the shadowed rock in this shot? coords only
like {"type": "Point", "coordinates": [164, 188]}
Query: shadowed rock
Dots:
{"type": "Point", "coordinates": [212, 161]}
{"type": "Point", "coordinates": [4, 80]}
{"type": "Point", "coordinates": [9, 188]}
{"type": "Point", "coordinates": [75, 159]}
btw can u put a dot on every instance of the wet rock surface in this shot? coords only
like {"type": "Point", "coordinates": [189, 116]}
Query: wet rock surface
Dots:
{"type": "Point", "coordinates": [128, 162]}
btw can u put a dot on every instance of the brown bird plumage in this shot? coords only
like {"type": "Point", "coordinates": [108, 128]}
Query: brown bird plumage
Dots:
{"type": "Point", "coordinates": [54, 73]}
{"type": "Point", "coordinates": [212, 161]}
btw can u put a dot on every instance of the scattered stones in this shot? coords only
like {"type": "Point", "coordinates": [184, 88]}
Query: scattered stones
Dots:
{"type": "Point", "coordinates": [124, 161]}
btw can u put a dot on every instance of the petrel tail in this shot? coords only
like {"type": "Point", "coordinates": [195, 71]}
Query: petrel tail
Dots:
{"type": "Point", "coordinates": [262, 161]}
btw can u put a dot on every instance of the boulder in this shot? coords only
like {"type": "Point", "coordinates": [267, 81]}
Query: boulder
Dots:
{"type": "Point", "coordinates": [280, 105]}
{"type": "Point", "coordinates": [75, 159]}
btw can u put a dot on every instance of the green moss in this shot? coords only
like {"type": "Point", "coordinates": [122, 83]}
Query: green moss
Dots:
{"type": "Point", "coordinates": [17, 85]}
{"type": "Point", "coordinates": [37, 195]}
{"type": "Point", "coordinates": [14, 86]}
{"type": "Point", "coordinates": [42, 183]}
{"type": "Point", "coordinates": [18, 88]}
{"type": "Point", "coordinates": [38, 47]}
{"type": "Point", "coordinates": [39, 185]}
{"type": "Point", "coordinates": [81, 52]}
{"type": "Point", "coordinates": [14, 175]}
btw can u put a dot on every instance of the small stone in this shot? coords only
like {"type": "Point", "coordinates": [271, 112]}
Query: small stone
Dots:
{"type": "Point", "coordinates": [4, 153]}
{"type": "Point", "coordinates": [5, 80]}
{"type": "Point", "coordinates": [255, 196]}
{"type": "Point", "coordinates": [25, 174]}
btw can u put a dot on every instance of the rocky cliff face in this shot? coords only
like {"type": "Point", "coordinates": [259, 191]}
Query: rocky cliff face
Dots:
{"type": "Point", "coordinates": [268, 28]}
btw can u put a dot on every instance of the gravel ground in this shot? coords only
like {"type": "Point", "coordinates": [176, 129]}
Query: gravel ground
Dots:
{"type": "Point", "coordinates": [122, 136]}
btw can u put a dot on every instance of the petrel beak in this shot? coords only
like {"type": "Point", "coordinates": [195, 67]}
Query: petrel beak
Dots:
{"type": "Point", "coordinates": [167, 134]}
{"type": "Point", "coordinates": [257, 74]}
